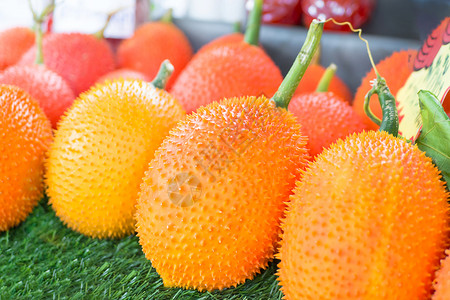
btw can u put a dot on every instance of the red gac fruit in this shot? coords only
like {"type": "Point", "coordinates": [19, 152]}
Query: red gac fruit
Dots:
{"type": "Point", "coordinates": [48, 88]}
{"type": "Point", "coordinates": [150, 45]}
{"type": "Point", "coordinates": [79, 58]}
{"type": "Point", "coordinates": [312, 77]}
{"type": "Point", "coordinates": [14, 42]}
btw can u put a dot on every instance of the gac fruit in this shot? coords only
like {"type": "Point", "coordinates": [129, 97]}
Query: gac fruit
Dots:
{"type": "Point", "coordinates": [369, 219]}
{"type": "Point", "coordinates": [101, 150]}
{"type": "Point", "coordinates": [211, 202]}
{"type": "Point", "coordinates": [26, 135]}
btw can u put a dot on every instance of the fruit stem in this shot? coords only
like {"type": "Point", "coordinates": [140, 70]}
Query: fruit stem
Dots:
{"type": "Point", "coordinates": [254, 24]}
{"type": "Point", "coordinates": [327, 76]}
{"type": "Point", "coordinates": [287, 88]}
{"type": "Point", "coordinates": [163, 75]}
{"type": "Point", "coordinates": [101, 33]}
{"type": "Point", "coordinates": [388, 107]}
{"type": "Point", "coordinates": [237, 27]}
{"type": "Point", "coordinates": [168, 16]}
{"type": "Point", "coordinates": [38, 21]}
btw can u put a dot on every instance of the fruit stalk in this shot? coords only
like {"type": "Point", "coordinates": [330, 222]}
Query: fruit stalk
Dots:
{"type": "Point", "coordinates": [389, 123]}
{"type": "Point", "coordinates": [287, 88]}
{"type": "Point", "coordinates": [327, 76]}
{"type": "Point", "coordinates": [38, 20]}
{"type": "Point", "coordinates": [168, 16]}
{"type": "Point", "coordinates": [254, 24]}
{"type": "Point", "coordinates": [101, 33]}
{"type": "Point", "coordinates": [163, 75]}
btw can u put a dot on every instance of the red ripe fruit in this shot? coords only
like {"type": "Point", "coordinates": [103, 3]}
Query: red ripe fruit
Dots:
{"type": "Point", "coordinates": [79, 58]}
{"type": "Point", "coordinates": [14, 42]}
{"type": "Point", "coordinates": [357, 12]}
{"type": "Point", "coordinates": [48, 88]}
{"type": "Point", "coordinates": [312, 77]}
{"type": "Point", "coordinates": [150, 45]}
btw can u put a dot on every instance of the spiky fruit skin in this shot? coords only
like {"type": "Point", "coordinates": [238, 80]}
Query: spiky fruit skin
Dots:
{"type": "Point", "coordinates": [48, 88]}
{"type": "Point", "coordinates": [368, 220]}
{"type": "Point", "coordinates": [325, 118]}
{"type": "Point", "coordinates": [78, 58]}
{"type": "Point", "coordinates": [312, 77]}
{"type": "Point", "coordinates": [441, 283]}
{"type": "Point", "coordinates": [101, 150]}
{"type": "Point", "coordinates": [25, 134]}
{"type": "Point", "coordinates": [231, 38]}
{"type": "Point", "coordinates": [123, 74]}
{"type": "Point", "coordinates": [395, 69]}
{"type": "Point", "coordinates": [231, 70]}
{"type": "Point", "coordinates": [14, 42]}
{"type": "Point", "coordinates": [150, 45]}
{"type": "Point", "coordinates": [239, 158]}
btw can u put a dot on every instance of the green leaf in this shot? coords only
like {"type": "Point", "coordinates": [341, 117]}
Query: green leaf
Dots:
{"type": "Point", "coordinates": [434, 139]}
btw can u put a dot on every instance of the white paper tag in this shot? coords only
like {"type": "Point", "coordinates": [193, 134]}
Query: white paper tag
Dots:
{"type": "Point", "coordinates": [17, 13]}
{"type": "Point", "coordinates": [88, 16]}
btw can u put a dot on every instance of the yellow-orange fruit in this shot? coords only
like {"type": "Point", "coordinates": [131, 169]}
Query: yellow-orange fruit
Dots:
{"type": "Point", "coordinates": [442, 281]}
{"type": "Point", "coordinates": [151, 44]}
{"type": "Point", "coordinates": [395, 69]}
{"type": "Point", "coordinates": [210, 205]}
{"type": "Point", "coordinates": [122, 74]}
{"type": "Point", "coordinates": [368, 220]}
{"type": "Point", "coordinates": [14, 42]}
{"type": "Point", "coordinates": [25, 135]}
{"type": "Point", "coordinates": [48, 88]}
{"type": "Point", "coordinates": [325, 118]}
{"type": "Point", "coordinates": [101, 150]}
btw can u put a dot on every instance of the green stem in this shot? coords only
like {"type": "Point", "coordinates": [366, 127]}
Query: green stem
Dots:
{"type": "Point", "coordinates": [254, 24]}
{"type": "Point", "coordinates": [327, 76]}
{"type": "Point", "coordinates": [38, 21]}
{"type": "Point", "coordinates": [168, 16]}
{"type": "Point", "coordinates": [39, 35]}
{"type": "Point", "coordinates": [101, 33]}
{"type": "Point", "coordinates": [237, 27]}
{"type": "Point", "coordinates": [287, 88]}
{"type": "Point", "coordinates": [163, 75]}
{"type": "Point", "coordinates": [389, 123]}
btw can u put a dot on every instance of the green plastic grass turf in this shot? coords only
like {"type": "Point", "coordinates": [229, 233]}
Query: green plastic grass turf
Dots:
{"type": "Point", "coordinates": [43, 259]}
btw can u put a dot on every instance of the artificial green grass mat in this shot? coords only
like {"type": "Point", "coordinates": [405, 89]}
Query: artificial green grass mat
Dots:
{"type": "Point", "coordinates": [43, 259]}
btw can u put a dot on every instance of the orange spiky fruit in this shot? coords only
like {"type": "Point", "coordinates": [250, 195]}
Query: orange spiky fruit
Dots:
{"type": "Point", "coordinates": [441, 283]}
{"type": "Point", "coordinates": [228, 70]}
{"type": "Point", "coordinates": [396, 69]}
{"type": "Point", "coordinates": [26, 134]}
{"type": "Point", "coordinates": [152, 43]}
{"type": "Point", "coordinates": [368, 220]}
{"type": "Point", "coordinates": [324, 116]}
{"type": "Point", "coordinates": [123, 73]}
{"type": "Point", "coordinates": [210, 204]}
{"type": "Point", "coordinates": [14, 42]}
{"type": "Point", "coordinates": [312, 78]}
{"type": "Point", "coordinates": [102, 147]}
{"type": "Point", "coordinates": [78, 58]}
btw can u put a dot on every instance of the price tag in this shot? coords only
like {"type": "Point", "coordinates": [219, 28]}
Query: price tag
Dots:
{"type": "Point", "coordinates": [88, 16]}
{"type": "Point", "coordinates": [431, 72]}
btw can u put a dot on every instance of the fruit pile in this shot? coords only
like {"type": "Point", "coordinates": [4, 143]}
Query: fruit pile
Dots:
{"type": "Point", "coordinates": [221, 165]}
